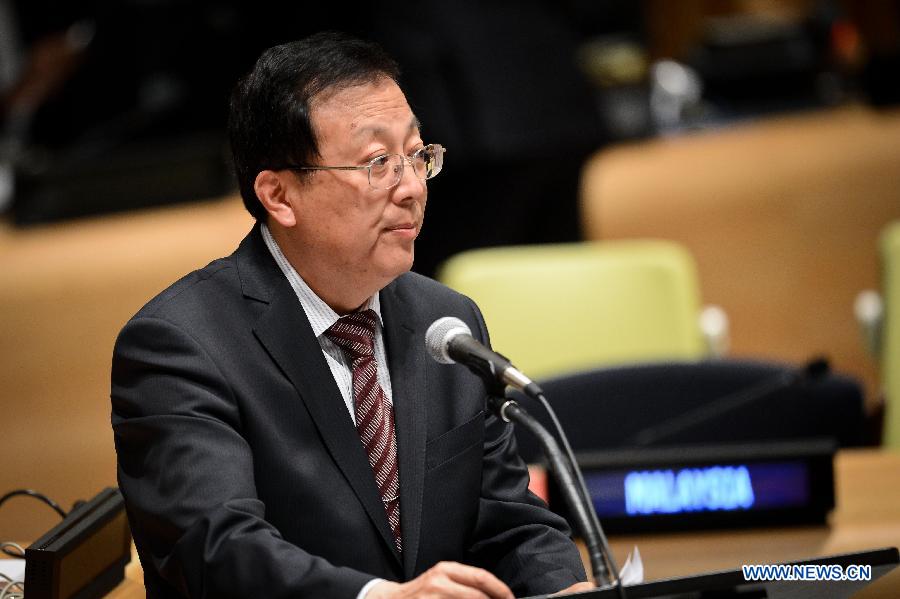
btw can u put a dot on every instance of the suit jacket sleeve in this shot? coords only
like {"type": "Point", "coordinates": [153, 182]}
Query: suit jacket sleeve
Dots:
{"type": "Point", "coordinates": [187, 474]}
{"type": "Point", "coordinates": [516, 536]}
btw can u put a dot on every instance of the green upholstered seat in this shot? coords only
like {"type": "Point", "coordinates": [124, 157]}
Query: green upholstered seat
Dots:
{"type": "Point", "coordinates": [554, 309]}
{"type": "Point", "coordinates": [890, 358]}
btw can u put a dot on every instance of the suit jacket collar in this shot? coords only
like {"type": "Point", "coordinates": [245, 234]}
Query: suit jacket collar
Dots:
{"type": "Point", "coordinates": [284, 331]}
{"type": "Point", "coordinates": [257, 270]}
{"type": "Point", "coordinates": [404, 343]}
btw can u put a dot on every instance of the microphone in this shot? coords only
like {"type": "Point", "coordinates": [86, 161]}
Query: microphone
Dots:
{"type": "Point", "coordinates": [449, 340]}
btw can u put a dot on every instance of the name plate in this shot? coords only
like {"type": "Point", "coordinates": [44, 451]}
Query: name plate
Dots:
{"type": "Point", "coordinates": [710, 486]}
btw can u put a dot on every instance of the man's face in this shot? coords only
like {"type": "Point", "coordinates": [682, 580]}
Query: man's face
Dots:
{"type": "Point", "coordinates": [345, 229]}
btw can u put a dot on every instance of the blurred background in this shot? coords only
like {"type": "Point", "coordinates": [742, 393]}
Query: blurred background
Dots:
{"type": "Point", "coordinates": [761, 137]}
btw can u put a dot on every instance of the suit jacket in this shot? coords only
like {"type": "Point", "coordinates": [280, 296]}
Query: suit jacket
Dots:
{"type": "Point", "coordinates": [243, 473]}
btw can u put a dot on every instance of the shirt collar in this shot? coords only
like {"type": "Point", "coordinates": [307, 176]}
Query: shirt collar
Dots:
{"type": "Point", "coordinates": [321, 316]}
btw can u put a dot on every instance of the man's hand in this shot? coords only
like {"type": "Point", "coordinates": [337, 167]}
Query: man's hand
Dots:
{"type": "Point", "coordinates": [578, 587]}
{"type": "Point", "coordinates": [446, 580]}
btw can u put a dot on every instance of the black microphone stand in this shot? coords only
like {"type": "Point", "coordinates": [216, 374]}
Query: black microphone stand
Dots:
{"type": "Point", "coordinates": [574, 493]}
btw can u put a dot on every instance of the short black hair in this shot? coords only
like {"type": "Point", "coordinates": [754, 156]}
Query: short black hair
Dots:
{"type": "Point", "coordinates": [269, 122]}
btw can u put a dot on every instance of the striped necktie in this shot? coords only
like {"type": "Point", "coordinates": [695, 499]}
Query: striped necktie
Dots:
{"type": "Point", "coordinates": [355, 335]}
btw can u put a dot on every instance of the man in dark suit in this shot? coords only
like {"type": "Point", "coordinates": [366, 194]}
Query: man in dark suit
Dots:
{"type": "Point", "coordinates": [280, 429]}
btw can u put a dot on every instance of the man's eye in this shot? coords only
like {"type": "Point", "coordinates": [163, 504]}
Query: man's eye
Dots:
{"type": "Point", "coordinates": [379, 162]}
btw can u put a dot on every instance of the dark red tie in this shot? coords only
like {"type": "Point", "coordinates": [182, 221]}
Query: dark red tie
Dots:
{"type": "Point", "coordinates": [355, 334]}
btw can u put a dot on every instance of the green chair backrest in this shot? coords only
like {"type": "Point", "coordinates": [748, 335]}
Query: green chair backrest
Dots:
{"type": "Point", "coordinates": [890, 361]}
{"type": "Point", "coordinates": [561, 308]}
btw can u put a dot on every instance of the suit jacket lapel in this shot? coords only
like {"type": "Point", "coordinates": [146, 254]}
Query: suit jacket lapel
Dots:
{"type": "Point", "coordinates": [405, 360]}
{"type": "Point", "coordinates": [285, 332]}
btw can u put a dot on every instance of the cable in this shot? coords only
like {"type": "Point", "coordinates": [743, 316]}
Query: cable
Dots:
{"type": "Point", "coordinates": [6, 593]}
{"type": "Point", "coordinates": [18, 553]}
{"type": "Point", "coordinates": [36, 495]}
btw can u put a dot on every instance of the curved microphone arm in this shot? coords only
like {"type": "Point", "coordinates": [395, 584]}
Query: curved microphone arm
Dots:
{"type": "Point", "coordinates": [535, 392]}
{"type": "Point", "coordinates": [577, 500]}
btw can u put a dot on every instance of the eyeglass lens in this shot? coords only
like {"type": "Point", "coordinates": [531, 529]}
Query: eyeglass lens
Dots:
{"type": "Point", "coordinates": [385, 172]}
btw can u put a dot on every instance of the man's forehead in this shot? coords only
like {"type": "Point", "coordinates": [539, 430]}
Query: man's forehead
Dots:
{"type": "Point", "coordinates": [370, 109]}
{"type": "Point", "coordinates": [378, 130]}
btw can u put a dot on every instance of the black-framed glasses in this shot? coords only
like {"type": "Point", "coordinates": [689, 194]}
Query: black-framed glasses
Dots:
{"type": "Point", "coordinates": [385, 171]}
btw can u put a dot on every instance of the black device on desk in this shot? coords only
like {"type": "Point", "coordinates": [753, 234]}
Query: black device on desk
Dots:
{"type": "Point", "coordinates": [84, 556]}
{"type": "Point", "coordinates": [709, 486]}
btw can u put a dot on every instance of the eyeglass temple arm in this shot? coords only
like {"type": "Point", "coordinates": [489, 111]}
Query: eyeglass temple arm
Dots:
{"type": "Point", "coordinates": [340, 168]}
{"type": "Point", "coordinates": [328, 168]}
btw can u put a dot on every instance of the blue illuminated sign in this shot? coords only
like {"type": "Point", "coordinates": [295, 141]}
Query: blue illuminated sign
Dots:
{"type": "Point", "coordinates": [688, 490]}
{"type": "Point", "coordinates": [735, 487]}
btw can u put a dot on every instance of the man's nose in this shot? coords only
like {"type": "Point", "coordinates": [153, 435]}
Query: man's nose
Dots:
{"type": "Point", "coordinates": [409, 186]}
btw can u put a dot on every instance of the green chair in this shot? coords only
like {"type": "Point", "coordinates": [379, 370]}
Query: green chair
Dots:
{"type": "Point", "coordinates": [890, 350]}
{"type": "Point", "coordinates": [556, 309]}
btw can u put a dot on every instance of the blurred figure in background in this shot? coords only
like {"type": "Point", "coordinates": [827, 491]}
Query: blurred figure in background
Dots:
{"type": "Point", "coordinates": [501, 85]}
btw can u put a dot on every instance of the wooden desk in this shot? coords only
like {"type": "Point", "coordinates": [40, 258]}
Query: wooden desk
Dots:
{"type": "Point", "coordinates": [867, 516]}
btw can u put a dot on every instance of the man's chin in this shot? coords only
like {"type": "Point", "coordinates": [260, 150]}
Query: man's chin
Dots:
{"type": "Point", "coordinates": [399, 262]}
{"type": "Point", "coordinates": [406, 264]}
{"type": "Point", "coordinates": [403, 264]}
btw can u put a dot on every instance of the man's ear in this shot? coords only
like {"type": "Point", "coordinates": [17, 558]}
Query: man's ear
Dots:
{"type": "Point", "coordinates": [272, 191]}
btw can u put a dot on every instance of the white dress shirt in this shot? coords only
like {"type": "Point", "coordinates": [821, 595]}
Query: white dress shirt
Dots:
{"type": "Point", "coordinates": [321, 317]}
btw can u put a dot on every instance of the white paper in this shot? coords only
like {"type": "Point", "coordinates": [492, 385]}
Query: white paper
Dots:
{"type": "Point", "coordinates": [632, 572]}
{"type": "Point", "coordinates": [14, 568]}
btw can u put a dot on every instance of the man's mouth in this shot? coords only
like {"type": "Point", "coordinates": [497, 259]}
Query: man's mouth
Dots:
{"type": "Point", "coordinates": [403, 229]}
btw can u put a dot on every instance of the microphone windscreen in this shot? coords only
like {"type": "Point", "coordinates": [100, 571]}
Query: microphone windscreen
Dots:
{"type": "Point", "coordinates": [439, 334]}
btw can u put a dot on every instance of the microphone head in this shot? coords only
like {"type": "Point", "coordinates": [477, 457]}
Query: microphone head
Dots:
{"type": "Point", "coordinates": [439, 335]}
